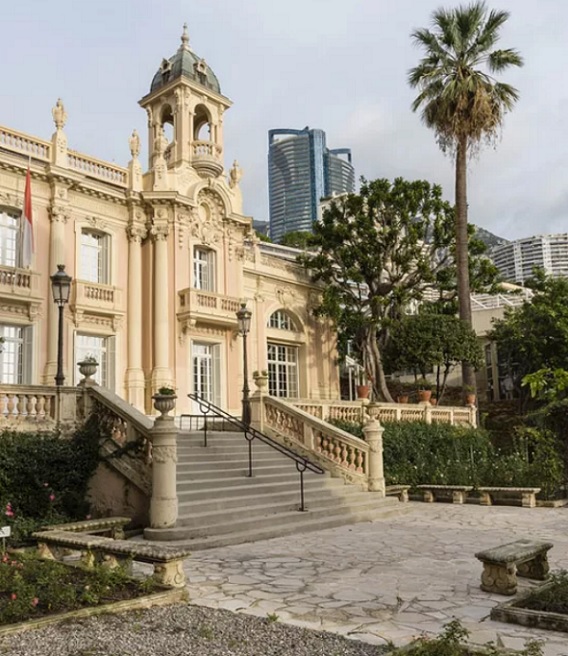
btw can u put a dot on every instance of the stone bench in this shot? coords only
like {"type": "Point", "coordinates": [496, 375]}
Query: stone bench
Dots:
{"type": "Point", "coordinates": [458, 493]}
{"type": "Point", "coordinates": [527, 558]}
{"type": "Point", "coordinates": [167, 560]}
{"type": "Point", "coordinates": [111, 526]}
{"type": "Point", "coordinates": [400, 491]}
{"type": "Point", "coordinates": [526, 495]}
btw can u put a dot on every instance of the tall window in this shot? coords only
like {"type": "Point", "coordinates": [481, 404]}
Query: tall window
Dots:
{"type": "Point", "coordinates": [283, 370]}
{"type": "Point", "coordinates": [102, 349]}
{"type": "Point", "coordinates": [94, 263]}
{"type": "Point", "coordinates": [281, 320]}
{"type": "Point", "coordinates": [9, 239]}
{"type": "Point", "coordinates": [16, 355]}
{"type": "Point", "coordinates": [206, 369]}
{"type": "Point", "coordinates": [204, 269]}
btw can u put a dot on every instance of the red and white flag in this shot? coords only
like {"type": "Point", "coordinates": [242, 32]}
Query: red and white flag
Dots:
{"type": "Point", "coordinates": [27, 224]}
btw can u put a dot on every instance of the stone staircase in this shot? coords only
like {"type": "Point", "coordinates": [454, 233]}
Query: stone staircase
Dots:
{"type": "Point", "coordinates": [220, 505]}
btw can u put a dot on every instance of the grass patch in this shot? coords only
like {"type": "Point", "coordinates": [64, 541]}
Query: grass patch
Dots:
{"type": "Point", "coordinates": [31, 588]}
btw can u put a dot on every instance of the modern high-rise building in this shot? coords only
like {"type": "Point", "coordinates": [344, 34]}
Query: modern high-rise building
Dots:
{"type": "Point", "coordinates": [517, 260]}
{"type": "Point", "coordinates": [302, 171]}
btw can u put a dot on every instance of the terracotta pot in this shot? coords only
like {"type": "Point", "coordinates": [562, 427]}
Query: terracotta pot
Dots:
{"type": "Point", "coordinates": [470, 399]}
{"type": "Point", "coordinates": [403, 398]}
{"type": "Point", "coordinates": [424, 396]}
{"type": "Point", "coordinates": [433, 401]}
{"type": "Point", "coordinates": [363, 391]}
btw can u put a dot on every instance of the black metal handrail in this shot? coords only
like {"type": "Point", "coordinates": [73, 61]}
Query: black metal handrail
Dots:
{"type": "Point", "coordinates": [250, 433]}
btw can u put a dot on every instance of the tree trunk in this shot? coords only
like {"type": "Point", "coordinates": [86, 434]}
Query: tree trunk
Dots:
{"type": "Point", "coordinates": [380, 388]}
{"type": "Point", "coordinates": [462, 256]}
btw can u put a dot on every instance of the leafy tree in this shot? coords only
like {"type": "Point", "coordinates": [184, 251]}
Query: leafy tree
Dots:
{"type": "Point", "coordinates": [297, 239]}
{"type": "Point", "coordinates": [426, 340]}
{"type": "Point", "coordinates": [464, 104]}
{"type": "Point", "coordinates": [262, 236]}
{"type": "Point", "coordinates": [534, 336]}
{"type": "Point", "coordinates": [375, 253]}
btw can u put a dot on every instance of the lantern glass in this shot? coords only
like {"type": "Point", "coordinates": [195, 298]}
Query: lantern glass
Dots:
{"type": "Point", "coordinates": [243, 318]}
{"type": "Point", "coordinates": [61, 286]}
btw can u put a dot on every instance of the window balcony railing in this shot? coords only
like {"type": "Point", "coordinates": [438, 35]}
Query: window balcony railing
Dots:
{"type": "Point", "coordinates": [18, 283]}
{"type": "Point", "coordinates": [206, 158]}
{"type": "Point", "coordinates": [93, 296]}
{"type": "Point", "coordinates": [209, 307]}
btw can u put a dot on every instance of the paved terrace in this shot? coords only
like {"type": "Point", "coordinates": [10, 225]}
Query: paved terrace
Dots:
{"type": "Point", "coordinates": [388, 580]}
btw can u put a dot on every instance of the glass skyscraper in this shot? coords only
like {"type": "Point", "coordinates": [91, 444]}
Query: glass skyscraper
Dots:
{"type": "Point", "coordinates": [302, 171]}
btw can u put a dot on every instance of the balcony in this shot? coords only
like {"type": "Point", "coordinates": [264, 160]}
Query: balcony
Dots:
{"type": "Point", "coordinates": [206, 307]}
{"type": "Point", "coordinates": [96, 299]}
{"type": "Point", "coordinates": [206, 158]}
{"type": "Point", "coordinates": [19, 291]}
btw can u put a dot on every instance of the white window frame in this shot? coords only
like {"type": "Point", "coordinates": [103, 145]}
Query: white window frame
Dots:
{"type": "Point", "coordinates": [17, 354]}
{"type": "Point", "coordinates": [94, 256]}
{"type": "Point", "coordinates": [10, 238]}
{"type": "Point", "coordinates": [283, 370]}
{"type": "Point", "coordinates": [209, 356]}
{"type": "Point", "coordinates": [102, 348]}
{"type": "Point", "coordinates": [204, 269]}
{"type": "Point", "coordinates": [281, 320]}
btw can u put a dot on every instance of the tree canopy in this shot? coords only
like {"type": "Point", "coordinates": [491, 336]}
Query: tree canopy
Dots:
{"type": "Point", "coordinates": [377, 254]}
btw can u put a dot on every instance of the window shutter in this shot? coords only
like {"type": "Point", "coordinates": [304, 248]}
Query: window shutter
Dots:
{"type": "Point", "coordinates": [216, 354]}
{"type": "Point", "coordinates": [104, 260]}
{"type": "Point", "coordinates": [26, 355]}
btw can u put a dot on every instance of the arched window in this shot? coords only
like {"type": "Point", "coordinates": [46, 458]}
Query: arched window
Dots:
{"type": "Point", "coordinates": [281, 320]}
{"type": "Point", "coordinates": [202, 124]}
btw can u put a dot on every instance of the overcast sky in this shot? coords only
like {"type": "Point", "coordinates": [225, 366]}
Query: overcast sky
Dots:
{"type": "Point", "coordinates": [338, 65]}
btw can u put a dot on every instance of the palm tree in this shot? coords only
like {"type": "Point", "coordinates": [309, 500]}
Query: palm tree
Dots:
{"type": "Point", "coordinates": [464, 104]}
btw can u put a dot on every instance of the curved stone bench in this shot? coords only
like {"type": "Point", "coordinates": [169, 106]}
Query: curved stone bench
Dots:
{"type": "Point", "coordinates": [457, 493]}
{"type": "Point", "coordinates": [114, 526]}
{"type": "Point", "coordinates": [167, 560]}
{"type": "Point", "coordinates": [400, 491]}
{"type": "Point", "coordinates": [527, 495]}
{"type": "Point", "coordinates": [527, 558]}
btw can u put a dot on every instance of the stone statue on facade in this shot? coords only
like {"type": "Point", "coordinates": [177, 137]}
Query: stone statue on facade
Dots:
{"type": "Point", "coordinates": [134, 143]}
{"type": "Point", "coordinates": [235, 175]}
{"type": "Point", "coordinates": [59, 114]}
{"type": "Point", "coordinates": [160, 142]}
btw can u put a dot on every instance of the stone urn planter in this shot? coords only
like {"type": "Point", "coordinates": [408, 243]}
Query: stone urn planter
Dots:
{"type": "Point", "coordinates": [424, 396]}
{"type": "Point", "coordinates": [87, 369]}
{"type": "Point", "coordinates": [164, 401]}
{"type": "Point", "coordinates": [261, 380]}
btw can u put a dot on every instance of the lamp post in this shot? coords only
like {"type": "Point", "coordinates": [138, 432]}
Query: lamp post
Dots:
{"type": "Point", "coordinates": [61, 287]}
{"type": "Point", "coordinates": [243, 318]}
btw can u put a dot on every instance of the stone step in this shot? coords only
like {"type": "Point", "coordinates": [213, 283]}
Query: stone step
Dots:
{"type": "Point", "coordinates": [291, 476]}
{"type": "Point", "coordinates": [303, 523]}
{"type": "Point", "coordinates": [193, 471]}
{"type": "Point", "coordinates": [289, 498]}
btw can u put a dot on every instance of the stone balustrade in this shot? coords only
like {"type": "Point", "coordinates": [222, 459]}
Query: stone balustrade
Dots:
{"type": "Point", "coordinates": [19, 142]}
{"type": "Point", "coordinates": [95, 168]}
{"type": "Point", "coordinates": [19, 402]}
{"type": "Point", "coordinates": [354, 411]}
{"type": "Point", "coordinates": [197, 304]}
{"type": "Point", "coordinates": [206, 149]}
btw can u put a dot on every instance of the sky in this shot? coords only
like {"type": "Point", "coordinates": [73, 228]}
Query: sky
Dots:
{"type": "Point", "coordinates": [337, 65]}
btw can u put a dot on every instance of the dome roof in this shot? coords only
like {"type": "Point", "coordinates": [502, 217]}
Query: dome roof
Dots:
{"type": "Point", "coordinates": [185, 63]}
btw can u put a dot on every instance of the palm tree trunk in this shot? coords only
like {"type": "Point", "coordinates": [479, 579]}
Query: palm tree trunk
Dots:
{"type": "Point", "coordinates": [462, 257]}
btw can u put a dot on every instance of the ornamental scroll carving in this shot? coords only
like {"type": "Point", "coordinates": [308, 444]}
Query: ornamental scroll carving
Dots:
{"type": "Point", "coordinates": [164, 454]}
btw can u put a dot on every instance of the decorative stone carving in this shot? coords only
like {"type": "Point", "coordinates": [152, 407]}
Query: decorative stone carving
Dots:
{"type": "Point", "coordinates": [96, 222]}
{"type": "Point", "coordinates": [235, 175]}
{"type": "Point", "coordinates": [150, 116]}
{"type": "Point", "coordinates": [136, 233]}
{"type": "Point", "coordinates": [159, 232]}
{"type": "Point", "coordinates": [160, 142]}
{"type": "Point", "coordinates": [286, 296]}
{"type": "Point", "coordinates": [134, 143]}
{"type": "Point", "coordinates": [58, 213]}
{"type": "Point", "coordinates": [170, 574]}
{"type": "Point", "coordinates": [163, 454]}
{"type": "Point", "coordinates": [10, 200]}
{"type": "Point", "coordinates": [59, 115]}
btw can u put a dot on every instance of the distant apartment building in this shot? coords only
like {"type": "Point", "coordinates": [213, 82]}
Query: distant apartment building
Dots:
{"type": "Point", "coordinates": [516, 260]}
{"type": "Point", "coordinates": [302, 171]}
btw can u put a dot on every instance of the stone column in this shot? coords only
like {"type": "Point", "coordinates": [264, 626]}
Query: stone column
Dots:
{"type": "Point", "coordinates": [58, 217]}
{"type": "Point", "coordinates": [374, 438]}
{"type": "Point", "coordinates": [164, 503]}
{"type": "Point", "coordinates": [161, 373]}
{"type": "Point", "coordinates": [134, 372]}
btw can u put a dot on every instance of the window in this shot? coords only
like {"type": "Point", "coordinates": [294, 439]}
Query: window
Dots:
{"type": "Point", "coordinates": [102, 348]}
{"type": "Point", "coordinates": [283, 370]}
{"type": "Point", "coordinates": [281, 320]}
{"type": "Point", "coordinates": [94, 260]}
{"type": "Point", "coordinates": [16, 355]}
{"type": "Point", "coordinates": [9, 239]}
{"type": "Point", "coordinates": [204, 269]}
{"type": "Point", "coordinates": [206, 369]}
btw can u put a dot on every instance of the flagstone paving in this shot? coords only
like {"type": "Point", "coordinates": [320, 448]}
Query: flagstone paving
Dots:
{"type": "Point", "coordinates": [388, 580]}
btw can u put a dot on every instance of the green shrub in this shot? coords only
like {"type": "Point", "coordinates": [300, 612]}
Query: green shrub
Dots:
{"type": "Point", "coordinates": [44, 477]}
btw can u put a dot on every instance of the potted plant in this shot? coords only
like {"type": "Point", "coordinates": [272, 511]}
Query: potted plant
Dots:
{"type": "Point", "coordinates": [363, 389]}
{"type": "Point", "coordinates": [400, 394]}
{"type": "Point", "coordinates": [165, 399]}
{"type": "Point", "coordinates": [260, 379]}
{"type": "Point", "coordinates": [469, 394]}
{"type": "Point", "coordinates": [424, 390]}
{"type": "Point", "coordinates": [87, 368]}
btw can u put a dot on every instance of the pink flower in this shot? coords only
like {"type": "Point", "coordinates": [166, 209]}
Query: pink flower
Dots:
{"type": "Point", "coordinates": [52, 497]}
{"type": "Point", "coordinates": [9, 513]}
{"type": "Point", "coordinates": [5, 558]}
{"type": "Point", "coordinates": [13, 596]}
{"type": "Point", "coordinates": [35, 601]}
{"type": "Point", "coordinates": [45, 484]}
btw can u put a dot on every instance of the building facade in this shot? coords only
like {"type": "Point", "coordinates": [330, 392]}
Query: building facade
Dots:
{"type": "Point", "coordinates": [516, 260]}
{"type": "Point", "coordinates": [302, 171]}
{"type": "Point", "coordinates": [161, 260]}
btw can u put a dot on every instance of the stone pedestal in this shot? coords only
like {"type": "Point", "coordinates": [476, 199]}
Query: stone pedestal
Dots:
{"type": "Point", "coordinates": [374, 438]}
{"type": "Point", "coordinates": [164, 503]}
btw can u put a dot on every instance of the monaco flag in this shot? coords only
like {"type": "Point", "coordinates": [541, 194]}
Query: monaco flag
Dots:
{"type": "Point", "coordinates": [27, 224]}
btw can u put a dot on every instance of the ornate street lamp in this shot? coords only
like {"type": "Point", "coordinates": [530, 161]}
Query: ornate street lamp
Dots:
{"type": "Point", "coordinates": [243, 318]}
{"type": "Point", "coordinates": [61, 287]}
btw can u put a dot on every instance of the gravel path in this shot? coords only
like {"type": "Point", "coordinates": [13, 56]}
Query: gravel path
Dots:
{"type": "Point", "coordinates": [181, 630]}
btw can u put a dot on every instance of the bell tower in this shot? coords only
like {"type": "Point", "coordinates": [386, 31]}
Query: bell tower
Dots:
{"type": "Point", "coordinates": [185, 120]}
